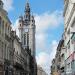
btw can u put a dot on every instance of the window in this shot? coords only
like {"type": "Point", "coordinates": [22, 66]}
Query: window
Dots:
{"type": "Point", "coordinates": [0, 24]}
{"type": "Point", "coordinates": [73, 65]}
{"type": "Point", "coordinates": [73, 40]}
{"type": "Point", "coordinates": [5, 51]}
{"type": "Point", "coordinates": [73, 24]}
{"type": "Point", "coordinates": [2, 49]}
{"type": "Point", "coordinates": [68, 32]}
{"type": "Point", "coordinates": [2, 27]}
{"type": "Point", "coordinates": [9, 30]}
{"type": "Point", "coordinates": [0, 21]}
{"type": "Point", "coordinates": [68, 45]}
{"type": "Point", "coordinates": [68, 67]}
{"type": "Point", "coordinates": [24, 39]}
{"type": "Point", "coordinates": [27, 39]}
{"type": "Point", "coordinates": [6, 28]}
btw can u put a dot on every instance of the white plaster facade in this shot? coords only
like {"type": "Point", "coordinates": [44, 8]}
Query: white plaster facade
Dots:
{"type": "Point", "coordinates": [69, 26]}
{"type": "Point", "coordinates": [6, 50]}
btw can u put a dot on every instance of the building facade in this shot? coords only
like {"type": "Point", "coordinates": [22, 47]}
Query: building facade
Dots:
{"type": "Point", "coordinates": [6, 49]}
{"type": "Point", "coordinates": [40, 71]}
{"type": "Point", "coordinates": [53, 68]}
{"type": "Point", "coordinates": [67, 48]}
{"type": "Point", "coordinates": [17, 56]}
{"type": "Point", "coordinates": [58, 64]}
{"type": "Point", "coordinates": [62, 58]}
{"type": "Point", "coordinates": [69, 29]}
{"type": "Point", "coordinates": [21, 57]}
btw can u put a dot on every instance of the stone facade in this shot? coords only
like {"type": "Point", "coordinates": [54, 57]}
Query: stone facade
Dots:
{"type": "Point", "coordinates": [6, 49]}
{"type": "Point", "coordinates": [21, 57]}
{"type": "Point", "coordinates": [67, 48]}
{"type": "Point", "coordinates": [40, 71]}
{"type": "Point", "coordinates": [27, 30]}
{"type": "Point", "coordinates": [15, 57]}
{"type": "Point", "coordinates": [69, 29]}
{"type": "Point", "coordinates": [58, 64]}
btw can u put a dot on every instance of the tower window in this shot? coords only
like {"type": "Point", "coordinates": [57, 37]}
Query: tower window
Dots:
{"type": "Point", "coordinates": [24, 39]}
{"type": "Point", "coordinates": [27, 39]}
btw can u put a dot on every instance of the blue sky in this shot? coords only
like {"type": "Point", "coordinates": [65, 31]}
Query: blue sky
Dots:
{"type": "Point", "coordinates": [37, 6]}
{"type": "Point", "coordinates": [49, 25]}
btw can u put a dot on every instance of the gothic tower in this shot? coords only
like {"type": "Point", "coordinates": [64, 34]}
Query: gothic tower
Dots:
{"type": "Point", "coordinates": [27, 30]}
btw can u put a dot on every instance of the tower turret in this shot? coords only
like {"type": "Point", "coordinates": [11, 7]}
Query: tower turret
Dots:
{"type": "Point", "coordinates": [27, 11]}
{"type": "Point", "coordinates": [1, 4]}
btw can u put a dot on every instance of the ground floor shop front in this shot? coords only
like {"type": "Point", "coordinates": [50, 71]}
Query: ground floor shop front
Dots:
{"type": "Point", "coordinates": [1, 69]}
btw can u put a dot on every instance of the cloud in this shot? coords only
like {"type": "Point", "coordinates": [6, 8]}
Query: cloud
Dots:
{"type": "Point", "coordinates": [47, 19]}
{"type": "Point", "coordinates": [44, 59]}
{"type": "Point", "coordinates": [8, 4]}
{"type": "Point", "coordinates": [44, 22]}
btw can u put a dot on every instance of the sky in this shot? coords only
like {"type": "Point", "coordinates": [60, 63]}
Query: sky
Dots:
{"type": "Point", "coordinates": [49, 25]}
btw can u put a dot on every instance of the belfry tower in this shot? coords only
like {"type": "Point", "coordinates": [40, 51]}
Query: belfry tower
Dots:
{"type": "Point", "coordinates": [27, 29]}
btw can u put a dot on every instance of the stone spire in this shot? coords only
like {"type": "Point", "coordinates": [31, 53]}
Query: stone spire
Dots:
{"type": "Point", "coordinates": [1, 4]}
{"type": "Point", "coordinates": [27, 11]}
{"type": "Point", "coordinates": [27, 7]}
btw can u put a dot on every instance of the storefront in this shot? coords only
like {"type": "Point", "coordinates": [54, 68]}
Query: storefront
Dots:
{"type": "Point", "coordinates": [18, 69]}
{"type": "Point", "coordinates": [8, 68]}
{"type": "Point", "coordinates": [1, 69]}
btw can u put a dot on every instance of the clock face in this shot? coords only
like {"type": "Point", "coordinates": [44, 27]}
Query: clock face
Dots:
{"type": "Point", "coordinates": [26, 30]}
